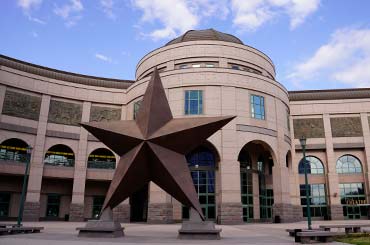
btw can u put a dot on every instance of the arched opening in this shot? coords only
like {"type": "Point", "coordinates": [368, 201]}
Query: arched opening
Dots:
{"type": "Point", "coordinates": [288, 160]}
{"type": "Point", "coordinates": [101, 158]}
{"type": "Point", "coordinates": [202, 163]}
{"type": "Point", "coordinates": [256, 187]}
{"type": "Point", "coordinates": [352, 195]}
{"type": "Point", "coordinates": [60, 155]}
{"type": "Point", "coordinates": [13, 150]}
{"type": "Point", "coordinates": [316, 191]}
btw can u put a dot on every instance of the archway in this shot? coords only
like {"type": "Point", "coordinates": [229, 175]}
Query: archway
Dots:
{"type": "Point", "coordinates": [13, 150]}
{"type": "Point", "coordinates": [101, 158]}
{"type": "Point", "coordinates": [202, 163]}
{"type": "Point", "coordinates": [60, 155]}
{"type": "Point", "coordinates": [256, 183]}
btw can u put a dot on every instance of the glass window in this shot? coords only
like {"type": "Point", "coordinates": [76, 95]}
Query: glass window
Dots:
{"type": "Point", "coordinates": [235, 67]}
{"type": "Point", "coordinates": [348, 164]}
{"type": "Point", "coordinates": [183, 66]}
{"type": "Point", "coordinates": [53, 204]}
{"type": "Point", "coordinates": [258, 107]}
{"type": "Point", "coordinates": [98, 202]}
{"type": "Point", "coordinates": [193, 102]}
{"type": "Point", "coordinates": [317, 199]}
{"type": "Point", "coordinates": [210, 65]}
{"type": "Point", "coordinates": [4, 204]}
{"type": "Point", "coordinates": [353, 200]}
{"type": "Point", "coordinates": [201, 162]}
{"type": "Point", "coordinates": [315, 166]}
{"type": "Point", "coordinates": [136, 108]}
{"type": "Point", "coordinates": [195, 65]}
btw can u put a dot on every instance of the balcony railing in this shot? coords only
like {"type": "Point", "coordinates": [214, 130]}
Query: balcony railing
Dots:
{"type": "Point", "coordinates": [11, 156]}
{"type": "Point", "coordinates": [101, 164]}
{"type": "Point", "coordinates": [64, 163]}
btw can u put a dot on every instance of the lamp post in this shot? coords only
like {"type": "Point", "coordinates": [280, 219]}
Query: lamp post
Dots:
{"type": "Point", "coordinates": [24, 187]}
{"type": "Point", "coordinates": [302, 140]}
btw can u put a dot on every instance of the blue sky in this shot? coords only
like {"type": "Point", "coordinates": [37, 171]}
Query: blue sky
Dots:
{"type": "Point", "coordinates": [315, 44]}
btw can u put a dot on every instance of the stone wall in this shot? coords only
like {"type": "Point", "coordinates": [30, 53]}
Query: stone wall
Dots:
{"type": "Point", "coordinates": [309, 127]}
{"type": "Point", "coordinates": [230, 213]}
{"type": "Point", "coordinates": [76, 212]}
{"type": "Point", "coordinates": [346, 126]}
{"type": "Point", "coordinates": [104, 114]}
{"type": "Point", "coordinates": [160, 213]}
{"type": "Point", "coordinates": [31, 211]}
{"type": "Point", "coordinates": [21, 105]}
{"type": "Point", "coordinates": [287, 212]}
{"type": "Point", "coordinates": [121, 213]}
{"type": "Point", "coordinates": [65, 113]}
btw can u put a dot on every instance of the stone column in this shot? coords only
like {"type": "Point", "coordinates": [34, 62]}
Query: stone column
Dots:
{"type": "Point", "coordinates": [366, 165]}
{"type": "Point", "coordinates": [256, 196]}
{"type": "Point", "coordinates": [76, 211]}
{"type": "Point", "coordinates": [230, 209]}
{"type": "Point", "coordinates": [159, 206]}
{"type": "Point", "coordinates": [333, 195]}
{"type": "Point", "coordinates": [32, 204]}
{"type": "Point", "coordinates": [2, 97]}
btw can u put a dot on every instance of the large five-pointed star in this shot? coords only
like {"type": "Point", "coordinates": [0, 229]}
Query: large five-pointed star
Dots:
{"type": "Point", "coordinates": [152, 148]}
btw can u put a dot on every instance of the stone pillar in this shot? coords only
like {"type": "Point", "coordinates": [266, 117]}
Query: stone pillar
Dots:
{"type": "Point", "coordinates": [159, 206]}
{"type": "Point", "coordinates": [366, 165]}
{"type": "Point", "coordinates": [32, 204]}
{"type": "Point", "coordinates": [256, 196]}
{"type": "Point", "coordinates": [121, 213]}
{"type": "Point", "coordinates": [333, 195]}
{"type": "Point", "coordinates": [2, 97]}
{"type": "Point", "coordinates": [294, 175]}
{"type": "Point", "coordinates": [230, 210]}
{"type": "Point", "coordinates": [76, 211]}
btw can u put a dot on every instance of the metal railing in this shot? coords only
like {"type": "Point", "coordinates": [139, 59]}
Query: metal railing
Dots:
{"type": "Point", "coordinates": [11, 156]}
{"type": "Point", "coordinates": [64, 163]}
{"type": "Point", "coordinates": [101, 165]}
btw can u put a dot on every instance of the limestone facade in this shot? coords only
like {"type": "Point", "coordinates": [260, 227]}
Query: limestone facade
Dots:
{"type": "Point", "coordinates": [44, 111]}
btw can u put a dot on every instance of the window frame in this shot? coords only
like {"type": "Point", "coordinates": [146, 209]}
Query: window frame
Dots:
{"type": "Point", "coordinates": [261, 105]}
{"type": "Point", "coordinates": [301, 168]}
{"type": "Point", "coordinates": [342, 169]}
{"type": "Point", "coordinates": [188, 100]}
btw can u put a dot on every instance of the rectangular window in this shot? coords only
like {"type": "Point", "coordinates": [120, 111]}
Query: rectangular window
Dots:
{"type": "Point", "coordinates": [136, 108]}
{"type": "Point", "coordinates": [235, 67]}
{"type": "Point", "coordinates": [183, 66]}
{"type": "Point", "coordinates": [97, 206]}
{"type": "Point", "coordinates": [53, 204]}
{"type": "Point", "coordinates": [317, 199]}
{"type": "Point", "coordinates": [353, 200]}
{"type": "Point", "coordinates": [258, 107]}
{"type": "Point", "coordinates": [193, 102]}
{"type": "Point", "coordinates": [210, 65]}
{"type": "Point", "coordinates": [4, 204]}
{"type": "Point", "coordinates": [195, 65]}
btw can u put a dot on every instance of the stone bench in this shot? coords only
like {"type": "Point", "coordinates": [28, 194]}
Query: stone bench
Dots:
{"type": "Point", "coordinates": [321, 236]}
{"type": "Point", "coordinates": [293, 232]}
{"type": "Point", "coordinates": [18, 230]}
{"type": "Point", "coordinates": [5, 225]}
{"type": "Point", "coordinates": [352, 228]}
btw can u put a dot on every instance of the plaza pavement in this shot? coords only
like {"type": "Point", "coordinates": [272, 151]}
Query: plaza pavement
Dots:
{"type": "Point", "coordinates": [58, 233]}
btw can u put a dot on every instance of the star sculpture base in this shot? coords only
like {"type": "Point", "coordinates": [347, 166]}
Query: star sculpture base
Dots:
{"type": "Point", "coordinates": [104, 227]}
{"type": "Point", "coordinates": [196, 229]}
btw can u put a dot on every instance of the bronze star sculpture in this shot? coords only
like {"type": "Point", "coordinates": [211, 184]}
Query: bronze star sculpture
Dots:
{"type": "Point", "coordinates": [152, 148]}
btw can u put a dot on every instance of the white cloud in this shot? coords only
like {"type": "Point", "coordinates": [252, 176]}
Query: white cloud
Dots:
{"type": "Point", "coordinates": [103, 57]}
{"type": "Point", "coordinates": [176, 16]}
{"type": "Point", "coordinates": [27, 5]}
{"type": "Point", "coordinates": [107, 6]}
{"type": "Point", "coordinates": [70, 12]}
{"type": "Point", "coordinates": [34, 34]}
{"type": "Point", "coordinates": [345, 58]}
{"type": "Point", "coordinates": [179, 16]}
{"type": "Point", "coordinates": [252, 14]}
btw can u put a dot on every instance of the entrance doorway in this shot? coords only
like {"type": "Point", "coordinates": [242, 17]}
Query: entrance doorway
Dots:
{"type": "Point", "coordinates": [139, 205]}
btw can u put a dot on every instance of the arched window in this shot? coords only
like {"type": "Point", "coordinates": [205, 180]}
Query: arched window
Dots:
{"type": "Point", "coordinates": [348, 164]}
{"type": "Point", "coordinates": [13, 150]}
{"type": "Point", "coordinates": [60, 155]}
{"type": "Point", "coordinates": [315, 166]}
{"type": "Point", "coordinates": [101, 158]}
{"type": "Point", "coordinates": [202, 165]}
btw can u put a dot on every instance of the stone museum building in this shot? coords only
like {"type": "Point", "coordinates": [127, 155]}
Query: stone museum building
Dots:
{"type": "Point", "coordinates": [250, 171]}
